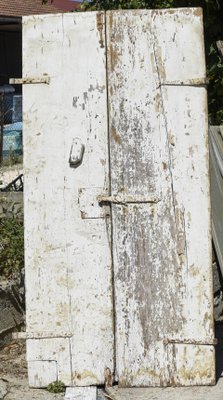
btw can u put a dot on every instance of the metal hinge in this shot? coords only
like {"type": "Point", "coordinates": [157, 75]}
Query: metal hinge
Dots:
{"type": "Point", "coordinates": [127, 199]}
{"type": "Point", "coordinates": [186, 82]}
{"type": "Point", "coordinates": [41, 335]}
{"type": "Point", "coordinates": [201, 342]}
{"type": "Point", "coordinates": [22, 81]}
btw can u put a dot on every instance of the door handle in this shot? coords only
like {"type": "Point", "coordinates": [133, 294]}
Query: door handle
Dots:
{"type": "Point", "coordinates": [127, 199]}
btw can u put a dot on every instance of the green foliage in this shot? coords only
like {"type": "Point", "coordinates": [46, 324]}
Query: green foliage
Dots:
{"type": "Point", "coordinates": [213, 29]}
{"type": "Point", "coordinates": [125, 4]}
{"type": "Point", "coordinates": [56, 387]}
{"type": "Point", "coordinates": [11, 242]}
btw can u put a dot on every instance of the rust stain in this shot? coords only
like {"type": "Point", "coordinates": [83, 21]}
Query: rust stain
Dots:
{"type": "Point", "coordinates": [113, 57]}
{"type": "Point", "coordinates": [198, 12]}
{"type": "Point", "coordinates": [115, 136]}
{"type": "Point", "coordinates": [160, 63]}
{"type": "Point", "coordinates": [77, 376]}
{"type": "Point", "coordinates": [83, 215]}
{"type": "Point", "coordinates": [201, 372]}
{"type": "Point", "coordinates": [164, 165]}
{"type": "Point", "coordinates": [153, 64]}
{"type": "Point", "coordinates": [170, 12]}
{"type": "Point", "coordinates": [108, 377]}
{"type": "Point", "coordinates": [128, 378]}
{"type": "Point", "coordinates": [194, 270]}
{"type": "Point", "coordinates": [207, 317]}
{"type": "Point", "coordinates": [181, 243]}
{"type": "Point", "coordinates": [157, 101]}
{"type": "Point", "coordinates": [100, 27]}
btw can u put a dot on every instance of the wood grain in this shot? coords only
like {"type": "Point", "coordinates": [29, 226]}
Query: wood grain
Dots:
{"type": "Point", "coordinates": [161, 266]}
{"type": "Point", "coordinates": [68, 258]}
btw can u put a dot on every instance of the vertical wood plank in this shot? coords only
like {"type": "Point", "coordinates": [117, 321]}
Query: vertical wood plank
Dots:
{"type": "Point", "coordinates": [154, 279]}
{"type": "Point", "coordinates": [184, 104]}
{"type": "Point", "coordinates": [42, 373]}
{"type": "Point", "coordinates": [68, 260]}
{"type": "Point", "coordinates": [147, 281]}
{"type": "Point", "coordinates": [84, 393]}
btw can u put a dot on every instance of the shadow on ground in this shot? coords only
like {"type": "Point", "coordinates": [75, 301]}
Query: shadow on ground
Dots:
{"type": "Point", "coordinates": [219, 349]}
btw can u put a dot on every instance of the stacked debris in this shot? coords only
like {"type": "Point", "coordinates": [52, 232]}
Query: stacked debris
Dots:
{"type": "Point", "coordinates": [216, 171]}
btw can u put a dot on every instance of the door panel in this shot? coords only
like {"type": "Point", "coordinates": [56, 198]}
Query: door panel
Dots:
{"type": "Point", "coordinates": [68, 257]}
{"type": "Point", "coordinates": [129, 145]}
{"type": "Point", "coordinates": [158, 149]}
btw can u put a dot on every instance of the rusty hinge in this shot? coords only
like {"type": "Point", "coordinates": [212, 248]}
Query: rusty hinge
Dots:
{"type": "Point", "coordinates": [41, 335]}
{"type": "Point", "coordinates": [201, 342]}
{"type": "Point", "coordinates": [127, 199]}
{"type": "Point", "coordinates": [21, 81]}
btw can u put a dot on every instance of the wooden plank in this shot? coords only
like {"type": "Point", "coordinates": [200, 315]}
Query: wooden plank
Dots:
{"type": "Point", "coordinates": [68, 260]}
{"type": "Point", "coordinates": [175, 33]}
{"type": "Point", "coordinates": [41, 350]}
{"type": "Point", "coordinates": [185, 113]}
{"type": "Point", "coordinates": [81, 393]}
{"type": "Point", "coordinates": [187, 130]}
{"type": "Point", "coordinates": [147, 281]}
{"type": "Point", "coordinates": [158, 262]}
{"type": "Point", "coordinates": [42, 373]}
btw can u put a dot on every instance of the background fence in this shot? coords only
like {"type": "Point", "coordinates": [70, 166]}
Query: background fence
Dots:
{"type": "Point", "coordinates": [10, 126]}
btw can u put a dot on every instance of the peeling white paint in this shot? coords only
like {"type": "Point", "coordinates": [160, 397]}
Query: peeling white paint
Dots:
{"type": "Point", "coordinates": [68, 260]}
{"type": "Point", "coordinates": [159, 197]}
{"type": "Point", "coordinates": [158, 143]}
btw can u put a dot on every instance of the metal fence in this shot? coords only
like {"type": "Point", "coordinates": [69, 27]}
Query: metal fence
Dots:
{"type": "Point", "coordinates": [10, 126]}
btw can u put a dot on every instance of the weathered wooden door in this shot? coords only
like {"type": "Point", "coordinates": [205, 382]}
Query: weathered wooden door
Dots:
{"type": "Point", "coordinates": [117, 214]}
{"type": "Point", "coordinates": [68, 258]}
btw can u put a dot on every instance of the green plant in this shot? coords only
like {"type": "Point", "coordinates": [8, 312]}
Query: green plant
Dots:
{"type": "Point", "coordinates": [11, 241]}
{"type": "Point", "coordinates": [56, 387]}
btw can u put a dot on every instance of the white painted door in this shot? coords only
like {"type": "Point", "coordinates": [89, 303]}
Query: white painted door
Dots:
{"type": "Point", "coordinates": [68, 259]}
{"type": "Point", "coordinates": [159, 157]}
{"type": "Point", "coordinates": [131, 142]}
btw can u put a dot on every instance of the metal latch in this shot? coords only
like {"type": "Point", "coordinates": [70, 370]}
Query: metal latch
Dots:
{"type": "Point", "coordinates": [41, 335]}
{"type": "Point", "coordinates": [30, 80]}
{"type": "Point", "coordinates": [127, 199]}
{"type": "Point", "coordinates": [186, 82]}
{"type": "Point", "coordinates": [90, 208]}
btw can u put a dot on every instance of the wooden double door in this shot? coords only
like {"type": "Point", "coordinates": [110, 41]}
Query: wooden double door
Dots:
{"type": "Point", "coordinates": [117, 208]}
